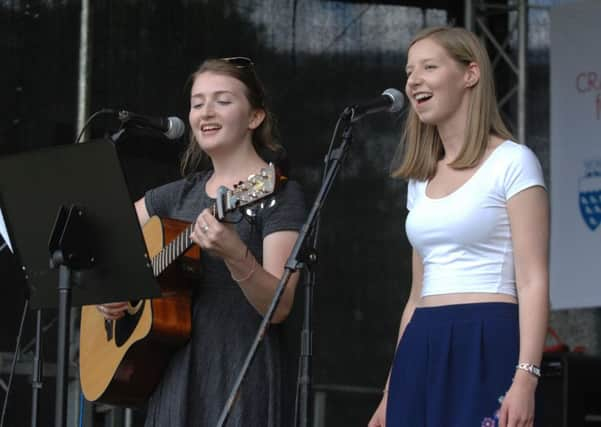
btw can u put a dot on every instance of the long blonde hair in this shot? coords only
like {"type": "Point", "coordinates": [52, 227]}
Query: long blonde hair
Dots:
{"type": "Point", "coordinates": [421, 148]}
{"type": "Point", "coordinates": [264, 137]}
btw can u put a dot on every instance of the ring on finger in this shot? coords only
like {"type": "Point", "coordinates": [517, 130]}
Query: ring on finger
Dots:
{"type": "Point", "coordinates": [205, 228]}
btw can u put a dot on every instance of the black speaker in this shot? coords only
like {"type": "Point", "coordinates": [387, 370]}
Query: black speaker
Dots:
{"type": "Point", "coordinates": [569, 391]}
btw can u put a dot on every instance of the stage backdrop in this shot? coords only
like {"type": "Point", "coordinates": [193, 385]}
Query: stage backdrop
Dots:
{"type": "Point", "coordinates": [576, 155]}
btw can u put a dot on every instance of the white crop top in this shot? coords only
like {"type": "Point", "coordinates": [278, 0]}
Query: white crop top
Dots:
{"type": "Point", "coordinates": [464, 239]}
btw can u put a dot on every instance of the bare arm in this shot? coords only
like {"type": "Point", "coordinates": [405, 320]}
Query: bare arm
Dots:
{"type": "Point", "coordinates": [260, 287]}
{"type": "Point", "coordinates": [258, 282]}
{"type": "Point", "coordinates": [529, 219]}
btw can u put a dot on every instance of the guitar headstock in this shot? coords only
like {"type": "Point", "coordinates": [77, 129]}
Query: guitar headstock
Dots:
{"type": "Point", "coordinates": [256, 188]}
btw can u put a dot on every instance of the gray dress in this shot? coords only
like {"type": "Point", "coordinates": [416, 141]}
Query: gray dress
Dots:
{"type": "Point", "coordinates": [200, 375]}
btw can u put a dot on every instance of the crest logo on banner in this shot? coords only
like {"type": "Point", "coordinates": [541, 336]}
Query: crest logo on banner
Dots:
{"type": "Point", "coordinates": [590, 194]}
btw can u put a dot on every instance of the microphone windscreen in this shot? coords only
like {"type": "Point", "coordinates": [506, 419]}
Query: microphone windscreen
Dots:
{"type": "Point", "coordinates": [397, 99]}
{"type": "Point", "coordinates": [176, 128]}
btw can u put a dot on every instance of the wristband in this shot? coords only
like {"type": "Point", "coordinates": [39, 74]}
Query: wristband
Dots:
{"type": "Point", "coordinates": [530, 368]}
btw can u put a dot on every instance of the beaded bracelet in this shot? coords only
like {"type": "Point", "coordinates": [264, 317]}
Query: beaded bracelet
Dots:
{"type": "Point", "coordinates": [250, 273]}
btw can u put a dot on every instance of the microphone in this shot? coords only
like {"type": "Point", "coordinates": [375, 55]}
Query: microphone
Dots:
{"type": "Point", "coordinates": [391, 101]}
{"type": "Point", "coordinates": [171, 127]}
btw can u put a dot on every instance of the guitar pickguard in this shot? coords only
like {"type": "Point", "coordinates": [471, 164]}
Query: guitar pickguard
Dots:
{"type": "Point", "coordinates": [125, 326]}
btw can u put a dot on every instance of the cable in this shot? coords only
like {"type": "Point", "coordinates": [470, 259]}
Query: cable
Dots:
{"type": "Point", "coordinates": [92, 117]}
{"type": "Point", "coordinates": [14, 362]}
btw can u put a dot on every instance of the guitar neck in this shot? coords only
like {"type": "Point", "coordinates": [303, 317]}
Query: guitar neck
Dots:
{"type": "Point", "coordinates": [172, 251]}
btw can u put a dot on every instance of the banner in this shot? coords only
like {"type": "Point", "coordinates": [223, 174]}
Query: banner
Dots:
{"type": "Point", "coordinates": [576, 155]}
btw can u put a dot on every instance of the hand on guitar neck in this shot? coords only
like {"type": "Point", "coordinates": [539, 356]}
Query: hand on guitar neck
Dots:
{"type": "Point", "coordinates": [219, 238]}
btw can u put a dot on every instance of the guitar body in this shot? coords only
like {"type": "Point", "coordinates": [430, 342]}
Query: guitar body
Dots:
{"type": "Point", "coordinates": [122, 361]}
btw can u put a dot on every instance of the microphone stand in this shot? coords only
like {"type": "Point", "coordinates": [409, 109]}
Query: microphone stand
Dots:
{"type": "Point", "coordinates": [36, 376]}
{"type": "Point", "coordinates": [303, 407]}
{"type": "Point", "coordinates": [293, 263]}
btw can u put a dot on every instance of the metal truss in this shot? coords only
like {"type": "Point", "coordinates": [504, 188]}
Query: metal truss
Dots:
{"type": "Point", "coordinates": [512, 50]}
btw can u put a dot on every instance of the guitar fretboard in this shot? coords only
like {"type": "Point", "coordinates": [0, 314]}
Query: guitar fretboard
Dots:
{"type": "Point", "coordinates": [175, 248]}
{"type": "Point", "coordinates": [172, 251]}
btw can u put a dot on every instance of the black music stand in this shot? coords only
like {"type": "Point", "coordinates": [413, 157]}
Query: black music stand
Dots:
{"type": "Point", "coordinates": [75, 233]}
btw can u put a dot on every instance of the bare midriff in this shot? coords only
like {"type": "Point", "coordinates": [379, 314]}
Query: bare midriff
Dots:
{"type": "Point", "coordinates": [464, 298]}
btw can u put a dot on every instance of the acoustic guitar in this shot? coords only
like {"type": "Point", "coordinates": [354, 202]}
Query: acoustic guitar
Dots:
{"type": "Point", "coordinates": [121, 361]}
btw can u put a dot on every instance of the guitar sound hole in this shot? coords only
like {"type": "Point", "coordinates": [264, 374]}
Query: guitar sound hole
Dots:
{"type": "Point", "coordinates": [125, 326]}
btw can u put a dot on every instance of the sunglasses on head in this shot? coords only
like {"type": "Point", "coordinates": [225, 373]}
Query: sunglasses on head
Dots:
{"type": "Point", "coordinates": [239, 61]}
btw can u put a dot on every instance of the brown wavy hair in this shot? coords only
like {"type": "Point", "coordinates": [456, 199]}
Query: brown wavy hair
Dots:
{"type": "Point", "coordinates": [421, 148]}
{"type": "Point", "coordinates": [264, 137]}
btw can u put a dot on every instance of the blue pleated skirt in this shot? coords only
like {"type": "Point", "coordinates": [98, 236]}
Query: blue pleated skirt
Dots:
{"type": "Point", "coordinates": [453, 365]}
